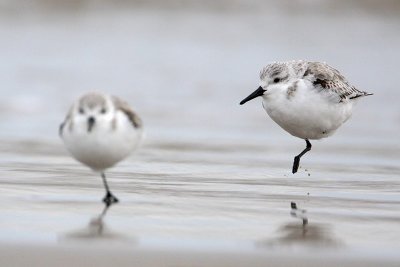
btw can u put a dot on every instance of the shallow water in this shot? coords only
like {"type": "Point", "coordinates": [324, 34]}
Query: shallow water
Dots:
{"type": "Point", "coordinates": [211, 174]}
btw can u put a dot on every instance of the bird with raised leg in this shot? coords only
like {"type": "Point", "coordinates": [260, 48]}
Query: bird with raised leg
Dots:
{"type": "Point", "coordinates": [309, 100]}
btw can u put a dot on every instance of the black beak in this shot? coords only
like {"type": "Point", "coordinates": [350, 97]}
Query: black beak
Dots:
{"type": "Point", "coordinates": [259, 92]}
{"type": "Point", "coordinates": [90, 124]}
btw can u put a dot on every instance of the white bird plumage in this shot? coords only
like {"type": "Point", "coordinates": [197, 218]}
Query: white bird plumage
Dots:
{"type": "Point", "coordinates": [99, 131]}
{"type": "Point", "coordinates": [309, 100]}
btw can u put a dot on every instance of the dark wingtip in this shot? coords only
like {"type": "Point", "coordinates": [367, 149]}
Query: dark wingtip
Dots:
{"type": "Point", "coordinates": [60, 129]}
{"type": "Point", "coordinates": [365, 94]}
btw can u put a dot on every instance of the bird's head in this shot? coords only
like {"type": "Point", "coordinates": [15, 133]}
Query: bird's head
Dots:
{"type": "Point", "coordinates": [272, 77]}
{"type": "Point", "coordinates": [91, 109]}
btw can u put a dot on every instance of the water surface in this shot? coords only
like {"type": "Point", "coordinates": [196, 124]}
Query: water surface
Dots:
{"type": "Point", "coordinates": [211, 174]}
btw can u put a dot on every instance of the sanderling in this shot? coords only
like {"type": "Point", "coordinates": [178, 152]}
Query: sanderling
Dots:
{"type": "Point", "coordinates": [310, 100]}
{"type": "Point", "coordinates": [99, 131]}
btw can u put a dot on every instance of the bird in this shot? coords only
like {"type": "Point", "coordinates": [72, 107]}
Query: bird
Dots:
{"type": "Point", "coordinates": [308, 99]}
{"type": "Point", "coordinates": [99, 131]}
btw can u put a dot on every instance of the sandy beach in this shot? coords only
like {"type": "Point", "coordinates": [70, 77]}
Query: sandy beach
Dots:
{"type": "Point", "coordinates": [212, 183]}
{"type": "Point", "coordinates": [26, 255]}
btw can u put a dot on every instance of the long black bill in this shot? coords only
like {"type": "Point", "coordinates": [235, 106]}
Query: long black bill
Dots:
{"type": "Point", "coordinates": [259, 92]}
{"type": "Point", "coordinates": [90, 124]}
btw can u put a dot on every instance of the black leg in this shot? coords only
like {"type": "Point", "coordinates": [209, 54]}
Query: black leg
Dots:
{"type": "Point", "coordinates": [109, 198]}
{"type": "Point", "coordinates": [296, 162]}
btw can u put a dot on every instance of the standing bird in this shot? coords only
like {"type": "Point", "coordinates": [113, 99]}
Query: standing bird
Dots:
{"type": "Point", "coordinates": [309, 100]}
{"type": "Point", "coordinates": [99, 131]}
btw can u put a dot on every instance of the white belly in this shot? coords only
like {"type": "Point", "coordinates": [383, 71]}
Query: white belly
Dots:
{"type": "Point", "coordinates": [308, 114]}
{"type": "Point", "coordinates": [103, 147]}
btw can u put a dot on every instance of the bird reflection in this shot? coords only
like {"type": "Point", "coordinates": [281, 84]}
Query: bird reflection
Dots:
{"type": "Point", "coordinates": [304, 234]}
{"type": "Point", "coordinates": [96, 224]}
{"type": "Point", "coordinates": [299, 213]}
{"type": "Point", "coordinates": [97, 230]}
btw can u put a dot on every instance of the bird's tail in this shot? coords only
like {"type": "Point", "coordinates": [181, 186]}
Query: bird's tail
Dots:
{"type": "Point", "coordinates": [360, 95]}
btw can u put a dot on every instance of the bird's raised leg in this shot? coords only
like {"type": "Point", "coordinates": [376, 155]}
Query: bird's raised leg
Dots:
{"type": "Point", "coordinates": [296, 162]}
{"type": "Point", "coordinates": [109, 198]}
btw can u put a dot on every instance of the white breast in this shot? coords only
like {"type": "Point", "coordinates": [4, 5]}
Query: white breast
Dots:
{"type": "Point", "coordinates": [306, 113]}
{"type": "Point", "coordinates": [107, 144]}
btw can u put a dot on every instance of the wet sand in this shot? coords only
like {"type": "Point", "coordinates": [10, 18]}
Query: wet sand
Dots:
{"type": "Point", "coordinates": [174, 211]}
{"type": "Point", "coordinates": [122, 256]}
{"type": "Point", "coordinates": [211, 185]}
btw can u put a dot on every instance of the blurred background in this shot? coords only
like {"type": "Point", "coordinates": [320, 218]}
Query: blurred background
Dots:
{"type": "Point", "coordinates": [187, 64]}
{"type": "Point", "coordinates": [209, 168]}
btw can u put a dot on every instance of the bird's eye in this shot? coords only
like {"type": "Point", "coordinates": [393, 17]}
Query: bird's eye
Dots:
{"type": "Point", "coordinates": [81, 111]}
{"type": "Point", "coordinates": [277, 80]}
{"type": "Point", "coordinates": [103, 111]}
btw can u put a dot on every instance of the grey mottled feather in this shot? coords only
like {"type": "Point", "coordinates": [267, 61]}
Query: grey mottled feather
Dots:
{"type": "Point", "coordinates": [125, 108]}
{"type": "Point", "coordinates": [62, 125]}
{"type": "Point", "coordinates": [92, 100]}
{"type": "Point", "coordinates": [325, 77]}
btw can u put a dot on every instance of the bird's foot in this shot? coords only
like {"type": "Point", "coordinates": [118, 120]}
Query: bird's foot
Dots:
{"type": "Point", "coordinates": [296, 164]}
{"type": "Point", "coordinates": [110, 199]}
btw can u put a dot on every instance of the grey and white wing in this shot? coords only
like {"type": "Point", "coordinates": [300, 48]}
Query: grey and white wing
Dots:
{"type": "Point", "coordinates": [125, 108]}
{"type": "Point", "coordinates": [66, 120]}
{"type": "Point", "coordinates": [326, 78]}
